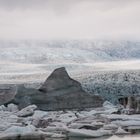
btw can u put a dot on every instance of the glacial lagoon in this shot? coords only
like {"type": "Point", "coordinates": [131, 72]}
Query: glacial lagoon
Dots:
{"type": "Point", "coordinates": [132, 137]}
{"type": "Point", "coordinates": [119, 137]}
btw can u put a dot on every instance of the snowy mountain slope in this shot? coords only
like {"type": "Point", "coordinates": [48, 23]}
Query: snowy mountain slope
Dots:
{"type": "Point", "coordinates": [73, 51]}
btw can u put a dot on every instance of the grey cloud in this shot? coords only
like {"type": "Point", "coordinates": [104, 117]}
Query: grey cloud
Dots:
{"type": "Point", "coordinates": [36, 4]}
{"type": "Point", "coordinates": [42, 4]}
{"type": "Point", "coordinates": [69, 19]}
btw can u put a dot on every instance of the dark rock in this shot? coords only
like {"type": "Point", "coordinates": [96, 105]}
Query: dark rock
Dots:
{"type": "Point", "coordinates": [59, 92]}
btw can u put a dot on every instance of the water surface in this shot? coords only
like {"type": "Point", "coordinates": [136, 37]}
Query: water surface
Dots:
{"type": "Point", "coordinates": [121, 137]}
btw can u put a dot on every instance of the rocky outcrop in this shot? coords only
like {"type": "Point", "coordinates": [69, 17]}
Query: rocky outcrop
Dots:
{"type": "Point", "coordinates": [59, 92]}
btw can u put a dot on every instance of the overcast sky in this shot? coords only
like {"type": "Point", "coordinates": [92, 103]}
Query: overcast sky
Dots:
{"type": "Point", "coordinates": [70, 19]}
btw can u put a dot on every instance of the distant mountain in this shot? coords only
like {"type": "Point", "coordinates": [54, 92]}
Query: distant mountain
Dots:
{"type": "Point", "coordinates": [72, 51]}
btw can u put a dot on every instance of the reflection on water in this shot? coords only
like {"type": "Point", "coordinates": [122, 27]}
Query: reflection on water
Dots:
{"type": "Point", "coordinates": [121, 137]}
{"type": "Point", "coordinates": [128, 137]}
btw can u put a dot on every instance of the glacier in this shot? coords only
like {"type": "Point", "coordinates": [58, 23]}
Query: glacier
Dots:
{"type": "Point", "coordinates": [71, 51]}
{"type": "Point", "coordinates": [94, 63]}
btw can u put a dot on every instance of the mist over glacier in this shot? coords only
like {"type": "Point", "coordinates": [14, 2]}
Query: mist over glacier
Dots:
{"type": "Point", "coordinates": [72, 51]}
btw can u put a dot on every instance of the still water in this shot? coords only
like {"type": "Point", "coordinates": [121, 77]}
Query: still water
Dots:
{"type": "Point", "coordinates": [128, 137]}
{"type": "Point", "coordinates": [136, 137]}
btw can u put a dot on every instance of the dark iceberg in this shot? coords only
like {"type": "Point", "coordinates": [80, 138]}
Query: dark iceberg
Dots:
{"type": "Point", "coordinates": [58, 92]}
